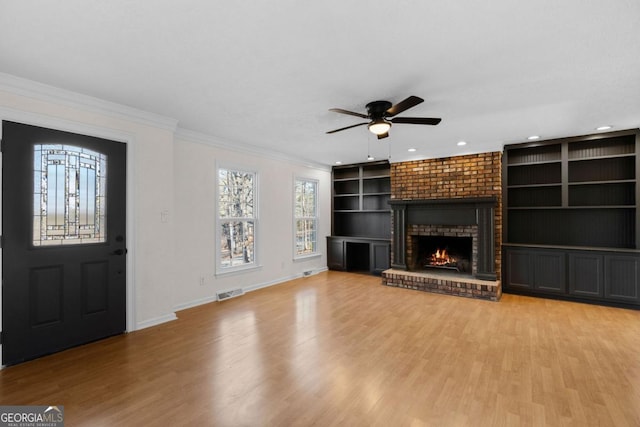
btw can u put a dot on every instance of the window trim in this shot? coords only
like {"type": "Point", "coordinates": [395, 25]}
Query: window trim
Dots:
{"type": "Point", "coordinates": [219, 269]}
{"type": "Point", "coordinates": [317, 252]}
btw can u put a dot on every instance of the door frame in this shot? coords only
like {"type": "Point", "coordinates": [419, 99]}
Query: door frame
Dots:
{"type": "Point", "coordinates": [127, 138]}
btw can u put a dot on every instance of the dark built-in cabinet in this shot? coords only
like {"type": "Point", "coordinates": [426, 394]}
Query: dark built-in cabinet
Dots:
{"type": "Point", "coordinates": [571, 218]}
{"type": "Point", "coordinates": [361, 218]}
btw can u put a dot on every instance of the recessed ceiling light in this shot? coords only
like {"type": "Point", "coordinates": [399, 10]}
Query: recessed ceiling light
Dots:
{"type": "Point", "coordinates": [370, 157]}
{"type": "Point", "coordinates": [532, 137]}
{"type": "Point", "coordinates": [411, 150]}
{"type": "Point", "coordinates": [461, 143]}
{"type": "Point", "coordinates": [338, 162]}
{"type": "Point", "coordinates": [606, 127]}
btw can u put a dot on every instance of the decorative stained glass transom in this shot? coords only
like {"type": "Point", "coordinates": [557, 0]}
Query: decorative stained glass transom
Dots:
{"type": "Point", "coordinates": [69, 195]}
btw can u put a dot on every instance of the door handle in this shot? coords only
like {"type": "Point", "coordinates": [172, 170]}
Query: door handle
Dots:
{"type": "Point", "coordinates": [119, 252]}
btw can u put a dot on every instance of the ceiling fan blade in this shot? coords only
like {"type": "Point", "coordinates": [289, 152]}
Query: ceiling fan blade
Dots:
{"type": "Point", "coordinates": [417, 120]}
{"type": "Point", "coordinates": [401, 106]}
{"type": "Point", "coordinates": [351, 113]}
{"type": "Point", "coordinates": [348, 127]}
{"type": "Point", "coordinates": [383, 135]}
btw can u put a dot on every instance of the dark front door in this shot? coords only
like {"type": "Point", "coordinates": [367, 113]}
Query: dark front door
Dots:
{"type": "Point", "coordinates": [63, 234]}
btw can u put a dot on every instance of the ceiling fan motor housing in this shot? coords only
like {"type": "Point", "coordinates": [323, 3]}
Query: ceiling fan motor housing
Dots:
{"type": "Point", "coordinates": [377, 109]}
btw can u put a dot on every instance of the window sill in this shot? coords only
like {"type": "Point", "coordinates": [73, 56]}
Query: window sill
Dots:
{"type": "Point", "coordinates": [236, 270]}
{"type": "Point", "coordinates": [306, 257]}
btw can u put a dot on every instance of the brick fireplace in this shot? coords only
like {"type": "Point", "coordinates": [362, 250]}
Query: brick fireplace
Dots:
{"type": "Point", "coordinates": [449, 206]}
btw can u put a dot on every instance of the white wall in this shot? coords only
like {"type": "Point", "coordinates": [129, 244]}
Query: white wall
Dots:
{"type": "Point", "coordinates": [172, 176]}
{"type": "Point", "coordinates": [195, 180]}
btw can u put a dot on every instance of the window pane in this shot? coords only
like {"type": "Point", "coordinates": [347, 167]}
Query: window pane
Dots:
{"type": "Point", "coordinates": [305, 194]}
{"type": "Point", "coordinates": [237, 243]}
{"type": "Point", "coordinates": [306, 236]}
{"type": "Point", "coordinates": [236, 194]}
{"type": "Point", "coordinates": [69, 195]}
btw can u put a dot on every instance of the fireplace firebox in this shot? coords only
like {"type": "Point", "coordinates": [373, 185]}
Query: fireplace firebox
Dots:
{"type": "Point", "coordinates": [442, 254]}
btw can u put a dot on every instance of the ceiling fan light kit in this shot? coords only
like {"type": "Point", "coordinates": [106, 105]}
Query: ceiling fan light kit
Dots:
{"type": "Point", "coordinates": [379, 113]}
{"type": "Point", "coordinates": [379, 126]}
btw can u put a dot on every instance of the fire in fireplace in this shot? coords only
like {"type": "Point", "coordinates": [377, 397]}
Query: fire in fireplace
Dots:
{"type": "Point", "coordinates": [443, 253]}
{"type": "Point", "coordinates": [441, 259]}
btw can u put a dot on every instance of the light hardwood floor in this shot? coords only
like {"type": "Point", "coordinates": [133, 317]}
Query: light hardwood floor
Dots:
{"type": "Point", "coordinates": [340, 349]}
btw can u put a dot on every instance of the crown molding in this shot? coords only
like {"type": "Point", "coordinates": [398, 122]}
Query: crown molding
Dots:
{"type": "Point", "coordinates": [202, 138]}
{"type": "Point", "coordinates": [43, 92]}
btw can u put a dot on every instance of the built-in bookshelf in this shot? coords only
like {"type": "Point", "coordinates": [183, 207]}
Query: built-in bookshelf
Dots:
{"type": "Point", "coordinates": [361, 217]}
{"type": "Point", "coordinates": [574, 193]}
{"type": "Point", "coordinates": [361, 195]}
{"type": "Point", "coordinates": [567, 197]}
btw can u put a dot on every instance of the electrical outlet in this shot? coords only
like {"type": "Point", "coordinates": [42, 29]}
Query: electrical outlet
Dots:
{"type": "Point", "coordinates": [201, 280]}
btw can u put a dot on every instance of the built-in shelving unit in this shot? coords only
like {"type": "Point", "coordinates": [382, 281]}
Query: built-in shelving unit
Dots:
{"type": "Point", "coordinates": [361, 195]}
{"type": "Point", "coordinates": [564, 197]}
{"type": "Point", "coordinates": [361, 217]}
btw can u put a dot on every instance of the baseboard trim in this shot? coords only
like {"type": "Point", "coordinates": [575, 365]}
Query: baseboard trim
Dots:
{"type": "Point", "coordinates": [156, 321]}
{"type": "Point", "coordinates": [255, 287]}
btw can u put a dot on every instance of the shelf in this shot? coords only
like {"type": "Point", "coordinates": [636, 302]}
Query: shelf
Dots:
{"type": "Point", "coordinates": [603, 194]}
{"type": "Point", "coordinates": [602, 148]}
{"type": "Point", "coordinates": [543, 173]}
{"type": "Point", "coordinates": [541, 162]}
{"type": "Point", "coordinates": [613, 156]}
{"type": "Point", "coordinates": [620, 181]}
{"type": "Point", "coordinates": [376, 170]}
{"type": "Point", "coordinates": [340, 173]}
{"type": "Point", "coordinates": [346, 187]}
{"type": "Point", "coordinates": [535, 155]}
{"type": "Point", "coordinates": [554, 184]}
{"type": "Point", "coordinates": [607, 169]}
{"type": "Point", "coordinates": [343, 203]}
{"type": "Point", "coordinates": [597, 227]}
{"type": "Point", "coordinates": [535, 196]}
{"type": "Point", "coordinates": [376, 185]}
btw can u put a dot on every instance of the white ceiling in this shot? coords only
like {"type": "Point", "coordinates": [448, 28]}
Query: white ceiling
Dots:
{"type": "Point", "coordinates": [265, 73]}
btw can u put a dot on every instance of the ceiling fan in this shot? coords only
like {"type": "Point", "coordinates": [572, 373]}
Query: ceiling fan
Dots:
{"type": "Point", "coordinates": [379, 113]}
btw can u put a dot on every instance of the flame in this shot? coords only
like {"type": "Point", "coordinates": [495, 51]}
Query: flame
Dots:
{"type": "Point", "coordinates": [441, 257]}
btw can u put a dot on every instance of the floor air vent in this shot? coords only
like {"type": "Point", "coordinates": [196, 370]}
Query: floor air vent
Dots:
{"type": "Point", "coordinates": [229, 294]}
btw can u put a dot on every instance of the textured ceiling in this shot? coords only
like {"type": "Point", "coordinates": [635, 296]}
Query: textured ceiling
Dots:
{"type": "Point", "coordinates": [264, 74]}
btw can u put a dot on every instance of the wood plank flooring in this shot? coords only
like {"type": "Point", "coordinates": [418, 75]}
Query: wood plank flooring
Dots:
{"type": "Point", "coordinates": [340, 349]}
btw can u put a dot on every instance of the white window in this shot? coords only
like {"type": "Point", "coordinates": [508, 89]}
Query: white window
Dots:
{"type": "Point", "coordinates": [305, 217]}
{"type": "Point", "coordinates": [237, 219]}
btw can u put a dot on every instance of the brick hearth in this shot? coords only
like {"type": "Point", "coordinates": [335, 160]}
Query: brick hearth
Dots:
{"type": "Point", "coordinates": [443, 284]}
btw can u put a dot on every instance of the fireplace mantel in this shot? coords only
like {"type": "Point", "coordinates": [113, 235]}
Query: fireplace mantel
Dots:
{"type": "Point", "coordinates": [477, 211]}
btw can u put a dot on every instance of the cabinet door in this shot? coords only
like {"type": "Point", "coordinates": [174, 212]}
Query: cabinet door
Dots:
{"type": "Point", "coordinates": [621, 278]}
{"type": "Point", "coordinates": [519, 269]}
{"type": "Point", "coordinates": [538, 270]}
{"type": "Point", "coordinates": [379, 257]}
{"type": "Point", "coordinates": [586, 276]}
{"type": "Point", "coordinates": [336, 254]}
{"type": "Point", "coordinates": [549, 271]}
